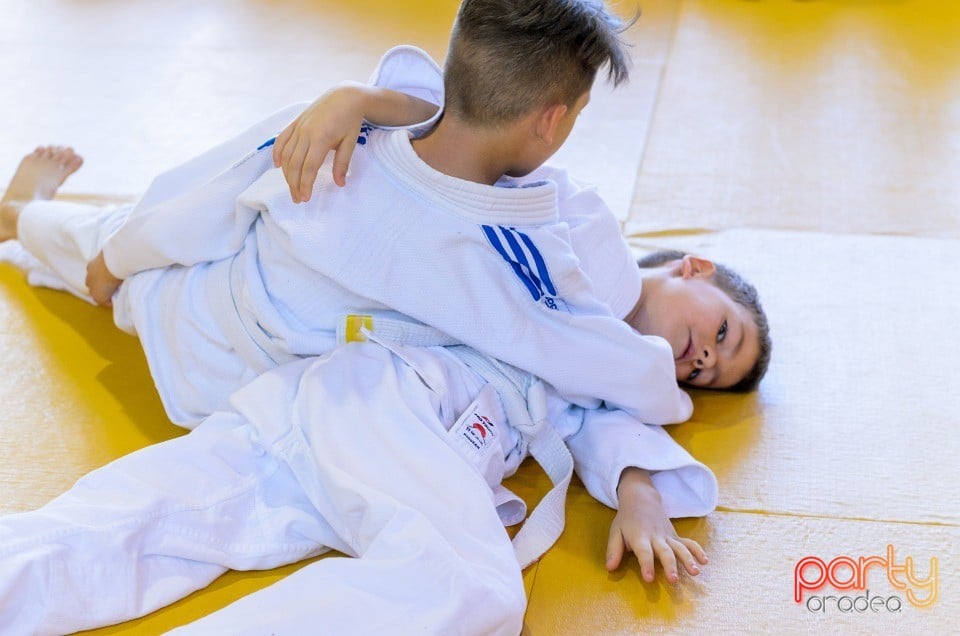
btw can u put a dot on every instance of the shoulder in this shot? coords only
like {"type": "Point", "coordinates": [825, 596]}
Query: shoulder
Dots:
{"type": "Point", "coordinates": [597, 239]}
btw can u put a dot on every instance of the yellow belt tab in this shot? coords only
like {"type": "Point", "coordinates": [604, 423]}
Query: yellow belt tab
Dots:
{"type": "Point", "coordinates": [354, 324]}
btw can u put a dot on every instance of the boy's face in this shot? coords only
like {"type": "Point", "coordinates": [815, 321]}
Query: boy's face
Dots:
{"type": "Point", "coordinates": [714, 339]}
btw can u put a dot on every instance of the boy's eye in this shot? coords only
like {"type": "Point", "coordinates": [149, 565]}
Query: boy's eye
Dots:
{"type": "Point", "coordinates": [693, 375]}
{"type": "Point", "coordinates": [723, 332]}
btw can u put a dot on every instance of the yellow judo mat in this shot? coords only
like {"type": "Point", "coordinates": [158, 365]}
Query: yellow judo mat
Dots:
{"type": "Point", "coordinates": [814, 146]}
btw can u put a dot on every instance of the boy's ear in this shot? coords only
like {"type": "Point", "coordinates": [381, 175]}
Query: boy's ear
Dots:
{"type": "Point", "coordinates": [548, 120]}
{"type": "Point", "coordinates": [696, 267]}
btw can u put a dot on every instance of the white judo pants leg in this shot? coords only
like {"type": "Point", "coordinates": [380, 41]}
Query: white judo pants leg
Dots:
{"type": "Point", "coordinates": [63, 237]}
{"type": "Point", "coordinates": [365, 440]}
{"type": "Point", "coordinates": [346, 451]}
{"type": "Point", "coordinates": [151, 528]}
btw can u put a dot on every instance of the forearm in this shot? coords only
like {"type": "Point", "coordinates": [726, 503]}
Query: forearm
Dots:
{"type": "Point", "coordinates": [610, 442]}
{"type": "Point", "coordinates": [189, 214]}
{"type": "Point", "coordinates": [386, 107]}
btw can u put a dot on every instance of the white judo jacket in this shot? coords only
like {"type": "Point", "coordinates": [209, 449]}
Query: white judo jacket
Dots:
{"type": "Point", "coordinates": [494, 267]}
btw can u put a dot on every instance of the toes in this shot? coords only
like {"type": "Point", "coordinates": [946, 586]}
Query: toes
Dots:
{"type": "Point", "coordinates": [60, 154]}
{"type": "Point", "coordinates": [66, 153]}
{"type": "Point", "coordinates": [63, 157]}
{"type": "Point", "coordinates": [72, 164]}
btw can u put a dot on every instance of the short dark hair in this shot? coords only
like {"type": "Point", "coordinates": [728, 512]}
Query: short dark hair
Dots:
{"type": "Point", "coordinates": [742, 293]}
{"type": "Point", "coordinates": [507, 57]}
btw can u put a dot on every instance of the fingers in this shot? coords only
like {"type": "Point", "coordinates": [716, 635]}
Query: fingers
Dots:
{"type": "Point", "coordinates": [665, 555]}
{"type": "Point", "coordinates": [282, 140]}
{"type": "Point", "coordinates": [615, 549]}
{"type": "Point", "coordinates": [671, 552]}
{"type": "Point", "coordinates": [293, 157]}
{"type": "Point", "coordinates": [308, 172]}
{"type": "Point", "coordinates": [341, 159]}
{"type": "Point", "coordinates": [301, 157]}
{"type": "Point", "coordinates": [645, 557]}
{"type": "Point", "coordinates": [695, 550]}
{"type": "Point", "coordinates": [683, 553]}
{"type": "Point", "coordinates": [687, 561]}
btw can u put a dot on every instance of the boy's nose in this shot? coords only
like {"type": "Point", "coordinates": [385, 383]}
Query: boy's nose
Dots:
{"type": "Point", "coordinates": [707, 359]}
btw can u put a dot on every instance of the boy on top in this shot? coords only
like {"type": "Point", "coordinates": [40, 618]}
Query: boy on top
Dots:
{"type": "Point", "coordinates": [330, 124]}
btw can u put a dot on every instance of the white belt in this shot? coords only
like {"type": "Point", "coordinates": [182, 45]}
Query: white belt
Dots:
{"type": "Point", "coordinates": [524, 400]}
{"type": "Point", "coordinates": [259, 349]}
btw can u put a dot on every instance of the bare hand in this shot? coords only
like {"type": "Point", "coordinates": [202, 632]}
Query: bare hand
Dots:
{"type": "Point", "coordinates": [332, 122]}
{"type": "Point", "coordinates": [642, 527]}
{"type": "Point", "coordinates": [100, 282]}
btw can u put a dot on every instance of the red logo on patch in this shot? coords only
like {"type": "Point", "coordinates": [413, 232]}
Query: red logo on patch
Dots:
{"type": "Point", "coordinates": [480, 432]}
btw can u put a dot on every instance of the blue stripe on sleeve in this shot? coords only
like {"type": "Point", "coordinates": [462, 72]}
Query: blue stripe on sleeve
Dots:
{"type": "Point", "coordinates": [267, 143]}
{"type": "Point", "coordinates": [497, 245]}
{"type": "Point", "coordinates": [541, 265]}
{"type": "Point", "coordinates": [521, 257]}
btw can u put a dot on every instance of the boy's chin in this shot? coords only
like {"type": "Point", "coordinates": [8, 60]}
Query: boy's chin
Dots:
{"type": "Point", "coordinates": [518, 172]}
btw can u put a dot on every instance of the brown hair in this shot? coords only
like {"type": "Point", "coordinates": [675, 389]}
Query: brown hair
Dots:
{"type": "Point", "coordinates": [742, 293]}
{"type": "Point", "coordinates": [507, 57]}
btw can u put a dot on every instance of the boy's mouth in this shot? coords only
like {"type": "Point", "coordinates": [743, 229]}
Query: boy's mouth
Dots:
{"type": "Point", "coordinates": [688, 351]}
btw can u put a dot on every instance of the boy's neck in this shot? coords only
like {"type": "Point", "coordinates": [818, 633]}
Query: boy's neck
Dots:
{"type": "Point", "coordinates": [481, 155]}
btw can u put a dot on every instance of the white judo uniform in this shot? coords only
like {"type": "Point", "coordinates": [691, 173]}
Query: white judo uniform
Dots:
{"type": "Point", "coordinates": [367, 450]}
{"type": "Point", "coordinates": [258, 281]}
{"type": "Point", "coordinates": [382, 452]}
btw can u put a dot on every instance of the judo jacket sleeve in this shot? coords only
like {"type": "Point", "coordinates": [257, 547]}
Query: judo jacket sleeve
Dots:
{"type": "Point", "coordinates": [165, 227]}
{"type": "Point", "coordinates": [610, 441]}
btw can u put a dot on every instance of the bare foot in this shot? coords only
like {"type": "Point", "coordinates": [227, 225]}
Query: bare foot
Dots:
{"type": "Point", "coordinates": [38, 176]}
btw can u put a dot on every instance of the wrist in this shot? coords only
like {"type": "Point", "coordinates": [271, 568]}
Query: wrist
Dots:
{"type": "Point", "coordinates": [356, 95]}
{"type": "Point", "coordinates": [372, 103]}
{"type": "Point", "coordinates": [387, 107]}
{"type": "Point", "coordinates": [635, 483]}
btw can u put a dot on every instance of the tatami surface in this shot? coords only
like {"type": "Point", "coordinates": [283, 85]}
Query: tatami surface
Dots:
{"type": "Point", "coordinates": [814, 146]}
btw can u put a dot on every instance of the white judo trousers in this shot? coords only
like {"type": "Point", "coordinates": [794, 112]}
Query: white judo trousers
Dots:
{"type": "Point", "coordinates": [360, 461]}
{"type": "Point", "coordinates": [60, 238]}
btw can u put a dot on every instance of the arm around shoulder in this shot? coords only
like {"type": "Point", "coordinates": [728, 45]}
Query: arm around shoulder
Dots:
{"type": "Point", "coordinates": [406, 90]}
{"type": "Point", "coordinates": [333, 122]}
